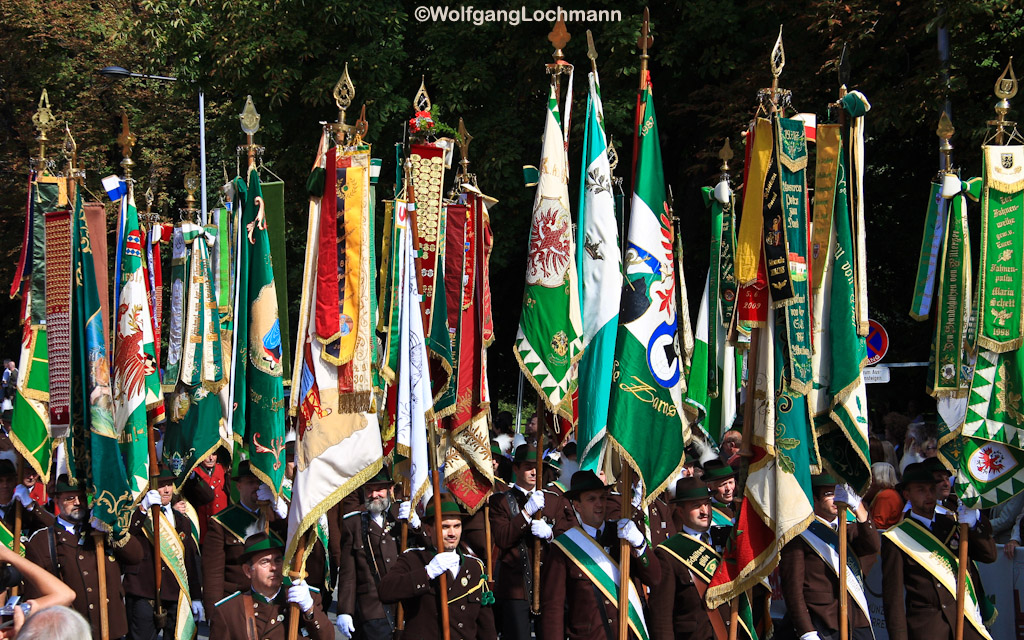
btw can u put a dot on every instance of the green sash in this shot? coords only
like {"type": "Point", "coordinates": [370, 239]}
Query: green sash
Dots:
{"type": "Point", "coordinates": [172, 555]}
{"type": "Point", "coordinates": [603, 571]}
{"type": "Point", "coordinates": [920, 544]}
{"type": "Point", "coordinates": [1002, 245]}
{"type": "Point", "coordinates": [824, 541]}
{"type": "Point", "coordinates": [236, 519]}
{"type": "Point", "coordinates": [719, 518]}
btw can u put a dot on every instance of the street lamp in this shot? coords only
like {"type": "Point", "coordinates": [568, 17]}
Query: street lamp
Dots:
{"type": "Point", "coordinates": [120, 72]}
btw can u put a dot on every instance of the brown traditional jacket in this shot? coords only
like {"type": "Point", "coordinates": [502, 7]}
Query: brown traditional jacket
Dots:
{"type": "Point", "coordinates": [228, 619]}
{"type": "Point", "coordinates": [139, 576]}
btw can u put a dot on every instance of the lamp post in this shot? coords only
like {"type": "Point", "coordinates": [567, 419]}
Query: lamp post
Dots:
{"type": "Point", "coordinates": [121, 72]}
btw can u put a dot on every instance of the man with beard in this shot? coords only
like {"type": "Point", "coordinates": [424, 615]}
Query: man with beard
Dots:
{"type": "Point", "coordinates": [264, 608]}
{"type": "Point", "coordinates": [369, 549]}
{"type": "Point", "coordinates": [33, 516]}
{"type": "Point", "coordinates": [688, 562]}
{"type": "Point", "coordinates": [413, 582]}
{"type": "Point", "coordinates": [68, 550]}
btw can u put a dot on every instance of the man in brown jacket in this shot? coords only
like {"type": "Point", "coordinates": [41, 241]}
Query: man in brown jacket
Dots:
{"type": "Point", "coordinates": [413, 581]}
{"type": "Point", "coordinates": [909, 551]}
{"type": "Point", "coordinates": [369, 549]}
{"type": "Point", "coordinates": [688, 560]}
{"type": "Point", "coordinates": [573, 605]}
{"type": "Point", "coordinates": [68, 551]}
{"type": "Point", "coordinates": [139, 580]}
{"type": "Point", "coordinates": [262, 612]}
{"type": "Point", "coordinates": [809, 566]}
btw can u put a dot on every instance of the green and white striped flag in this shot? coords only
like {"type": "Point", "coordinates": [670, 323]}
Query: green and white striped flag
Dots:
{"type": "Point", "coordinates": [646, 400]}
{"type": "Point", "coordinates": [599, 263]}
{"type": "Point", "coordinates": [549, 341]}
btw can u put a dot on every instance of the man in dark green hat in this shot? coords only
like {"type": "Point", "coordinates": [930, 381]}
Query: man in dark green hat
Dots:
{"type": "Point", "coordinates": [68, 550]}
{"type": "Point", "coordinates": [178, 579]}
{"type": "Point", "coordinates": [920, 560]}
{"type": "Point", "coordinates": [513, 530]}
{"type": "Point", "coordinates": [33, 517]}
{"type": "Point", "coordinates": [369, 550]}
{"type": "Point", "coordinates": [262, 611]}
{"type": "Point", "coordinates": [809, 566]}
{"type": "Point", "coordinates": [580, 583]}
{"type": "Point", "coordinates": [688, 561]}
{"type": "Point", "coordinates": [413, 581]}
{"type": "Point", "coordinates": [225, 539]}
{"type": "Point", "coordinates": [721, 480]}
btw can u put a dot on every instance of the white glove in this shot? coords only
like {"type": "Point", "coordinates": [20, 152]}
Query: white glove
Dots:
{"type": "Point", "coordinates": [445, 561]}
{"type": "Point", "coordinates": [344, 624]}
{"type": "Point", "coordinates": [197, 611]}
{"type": "Point", "coordinates": [21, 493]}
{"type": "Point", "coordinates": [968, 516]}
{"type": "Point", "coordinates": [628, 531]}
{"type": "Point", "coordinates": [541, 529]}
{"type": "Point", "coordinates": [534, 503]}
{"type": "Point", "coordinates": [638, 495]}
{"type": "Point", "coordinates": [406, 512]}
{"type": "Point", "coordinates": [810, 635]}
{"type": "Point", "coordinates": [300, 595]}
{"type": "Point", "coordinates": [846, 495]}
{"type": "Point", "coordinates": [281, 508]}
{"type": "Point", "coordinates": [264, 494]}
{"type": "Point", "coordinates": [150, 500]}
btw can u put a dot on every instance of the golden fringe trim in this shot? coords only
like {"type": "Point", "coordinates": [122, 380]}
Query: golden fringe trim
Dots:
{"type": "Point", "coordinates": [558, 410]}
{"type": "Point", "coordinates": [1000, 347]}
{"type": "Point", "coordinates": [29, 457]}
{"type": "Point", "coordinates": [652, 495]}
{"type": "Point", "coordinates": [328, 503]}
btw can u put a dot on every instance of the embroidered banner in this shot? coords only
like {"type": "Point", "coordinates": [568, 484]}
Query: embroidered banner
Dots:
{"type": "Point", "coordinates": [928, 262]}
{"type": "Point", "coordinates": [58, 318]}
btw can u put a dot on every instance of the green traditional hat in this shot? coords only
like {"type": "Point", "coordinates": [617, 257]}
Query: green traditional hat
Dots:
{"type": "Point", "coordinates": [717, 470]}
{"type": "Point", "coordinates": [823, 480]}
{"type": "Point", "coordinates": [916, 473]}
{"type": "Point", "coordinates": [7, 468]}
{"type": "Point", "coordinates": [570, 449]}
{"type": "Point", "coordinates": [525, 453]}
{"type": "Point", "coordinates": [935, 466]}
{"type": "Point", "coordinates": [553, 460]}
{"type": "Point", "coordinates": [583, 481]}
{"type": "Point", "coordinates": [63, 485]}
{"type": "Point", "coordinates": [166, 474]}
{"type": "Point", "coordinates": [496, 449]}
{"type": "Point", "coordinates": [289, 448]}
{"type": "Point", "coordinates": [688, 489]}
{"type": "Point", "coordinates": [448, 508]}
{"type": "Point", "coordinates": [381, 477]}
{"type": "Point", "coordinates": [260, 542]}
{"type": "Point", "coordinates": [244, 470]}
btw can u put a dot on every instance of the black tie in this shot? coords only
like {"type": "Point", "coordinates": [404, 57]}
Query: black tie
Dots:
{"type": "Point", "coordinates": [705, 538]}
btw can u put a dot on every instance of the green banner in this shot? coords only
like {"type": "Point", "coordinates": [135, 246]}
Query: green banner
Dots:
{"type": "Point", "coordinates": [273, 198]}
{"type": "Point", "coordinates": [927, 263]}
{"type": "Point", "coordinates": [793, 189]}
{"type": "Point", "coordinates": [954, 305]}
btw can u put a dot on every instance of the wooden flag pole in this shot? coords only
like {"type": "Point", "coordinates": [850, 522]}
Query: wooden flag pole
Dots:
{"type": "Point", "coordinates": [154, 512]}
{"type": "Point", "coordinates": [538, 486]}
{"type": "Point", "coordinates": [16, 543]}
{"type": "Point", "coordinates": [489, 544]}
{"type": "Point", "coordinates": [844, 621]}
{"type": "Point", "coordinates": [961, 582]}
{"type": "Point", "coordinates": [438, 536]}
{"type": "Point", "coordinates": [625, 553]}
{"type": "Point", "coordinates": [404, 544]}
{"type": "Point", "coordinates": [101, 575]}
{"type": "Point", "coordinates": [734, 618]}
{"type": "Point", "coordinates": [296, 573]}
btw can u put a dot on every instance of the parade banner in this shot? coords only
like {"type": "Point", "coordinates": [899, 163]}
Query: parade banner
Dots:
{"type": "Point", "coordinates": [954, 309]}
{"type": "Point", "coordinates": [776, 240]}
{"type": "Point", "coordinates": [599, 263]}
{"type": "Point", "coordinates": [58, 316]}
{"type": "Point", "coordinates": [172, 556]}
{"type": "Point", "coordinates": [273, 198]}
{"type": "Point", "coordinates": [1000, 284]}
{"type": "Point", "coordinates": [856, 106]}
{"type": "Point", "coordinates": [931, 244]}
{"type": "Point", "coordinates": [826, 170]}
{"type": "Point", "coordinates": [749, 244]}
{"type": "Point", "coordinates": [646, 399]}
{"type": "Point", "coordinates": [792, 144]}
{"type": "Point", "coordinates": [549, 340]}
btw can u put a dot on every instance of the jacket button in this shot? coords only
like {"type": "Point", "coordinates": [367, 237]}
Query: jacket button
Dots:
{"type": "Point", "coordinates": [90, 606]}
{"type": "Point", "coordinates": [463, 607]}
{"type": "Point", "coordinates": [460, 625]}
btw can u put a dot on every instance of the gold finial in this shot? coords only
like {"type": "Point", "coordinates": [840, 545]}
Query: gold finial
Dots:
{"type": "Point", "coordinates": [945, 129]}
{"type": "Point", "coordinates": [149, 199]}
{"type": "Point", "coordinates": [43, 120]}
{"type": "Point", "coordinates": [725, 155]}
{"type": "Point", "coordinates": [464, 140]}
{"type": "Point", "coordinates": [344, 93]}
{"type": "Point", "coordinates": [778, 59]}
{"type": "Point", "coordinates": [1006, 88]}
{"type": "Point", "coordinates": [591, 51]}
{"type": "Point", "coordinates": [249, 117]}
{"type": "Point", "coordinates": [70, 150]}
{"type": "Point", "coordinates": [191, 184]}
{"type": "Point", "coordinates": [559, 37]}
{"type": "Point", "coordinates": [613, 156]}
{"type": "Point", "coordinates": [644, 43]}
{"type": "Point", "coordinates": [421, 101]}
{"type": "Point", "coordinates": [127, 142]}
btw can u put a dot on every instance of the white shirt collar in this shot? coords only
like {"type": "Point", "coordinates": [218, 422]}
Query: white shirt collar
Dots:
{"type": "Point", "coordinates": [378, 518]}
{"type": "Point", "coordinates": [525, 492]}
{"type": "Point", "coordinates": [693, 532]}
{"type": "Point", "coordinates": [67, 525]}
{"type": "Point", "coordinates": [593, 532]}
{"type": "Point", "coordinates": [922, 519]}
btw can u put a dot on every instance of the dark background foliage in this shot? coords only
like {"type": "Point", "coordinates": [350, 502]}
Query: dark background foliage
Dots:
{"type": "Point", "coordinates": [708, 61]}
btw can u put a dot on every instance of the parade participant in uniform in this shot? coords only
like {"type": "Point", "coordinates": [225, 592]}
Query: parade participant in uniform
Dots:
{"type": "Point", "coordinates": [224, 544]}
{"type": "Point", "coordinates": [139, 577]}
{"type": "Point", "coordinates": [263, 610]}
{"type": "Point", "coordinates": [369, 549]}
{"type": "Point", "coordinates": [513, 531]}
{"type": "Point", "coordinates": [721, 481]}
{"type": "Point", "coordinates": [556, 505]}
{"type": "Point", "coordinates": [413, 582]}
{"type": "Point", "coordinates": [208, 491]}
{"type": "Point", "coordinates": [497, 456]}
{"type": "Point", "coordinates": [944, 495]}
{"type": "Point", "coordinates": [688, 562]}
{"type": "Point", "coordinates": [579, 596]}
{"type": "Point", "coordinates": [317, 566]}
{"type": "Point", "coordinates": [919, 555]}
{"type": "Point", "coordinates": [810, 564]}
{"type": "Point", "coordinates": [33, 516]}
{"type": "Point", "coordinates": [67, 550]}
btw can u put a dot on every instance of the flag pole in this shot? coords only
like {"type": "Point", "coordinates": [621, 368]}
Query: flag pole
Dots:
{"type": "Point", "coordinates": [404, 544]}
{"type": "Point", "coordinates": [542, 419]}
{"type": "Point", "coordinates": [844, 604]}
{"type": "Point", "coordinates": [296, 573]}
{"type": "Point", "coordinates": [101, 576]}
{"type": "Point", "coordinates": [159, 614]}
{"type": "Point", "coordinates": [624, 551]}
{"type": "Point", "coordinates": [961, 581]}
{"type": "Point", "coordinates": [438, 537]}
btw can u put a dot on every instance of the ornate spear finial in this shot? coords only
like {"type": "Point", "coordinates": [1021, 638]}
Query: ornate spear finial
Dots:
{"type": "Point", "coordinates": [127, 142]}
{"type": "Point", "coordinates": [70, 152]}
{"type": "Point", "coordinates": [43, 120]}
{"type": "Point", "coordinates": [1006, 88]}
{"type": "Point", "coordinates": [250, 121]}
{"type": "Point", "coordinates": [945, 131]}
{"type": "Point", "coordinates": [591, 52]}
{"type": "Point", "coordinates": [559, 37]}
{"type": "Point", "coordinates": [344, 93]}
{"type": "Point", "coordinates": [464, 140]}
{"type": "Point", "coordinates": [725, 155]}
{"type": "Point", "coordinates": [644, 43]}
{"type": "Point", "coordinates": [191, 184]}
{"type": "Point", "coordinates": [421, 101]}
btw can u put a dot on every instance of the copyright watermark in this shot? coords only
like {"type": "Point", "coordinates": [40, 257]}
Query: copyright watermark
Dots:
{"type": "Point", "coordinates": [512, 17]}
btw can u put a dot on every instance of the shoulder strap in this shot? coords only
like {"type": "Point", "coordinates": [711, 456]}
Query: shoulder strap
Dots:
{"type": "Point", "coordinates": [51, 537]}
{"type": "Point", "coordinates": [599, 599]}
{"type": "Point", "coordinates": [372, 560]}
{"type": "Point", "coordinates": [250, 617]}
{"type": "Point", "coordinates": [524, 549]}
